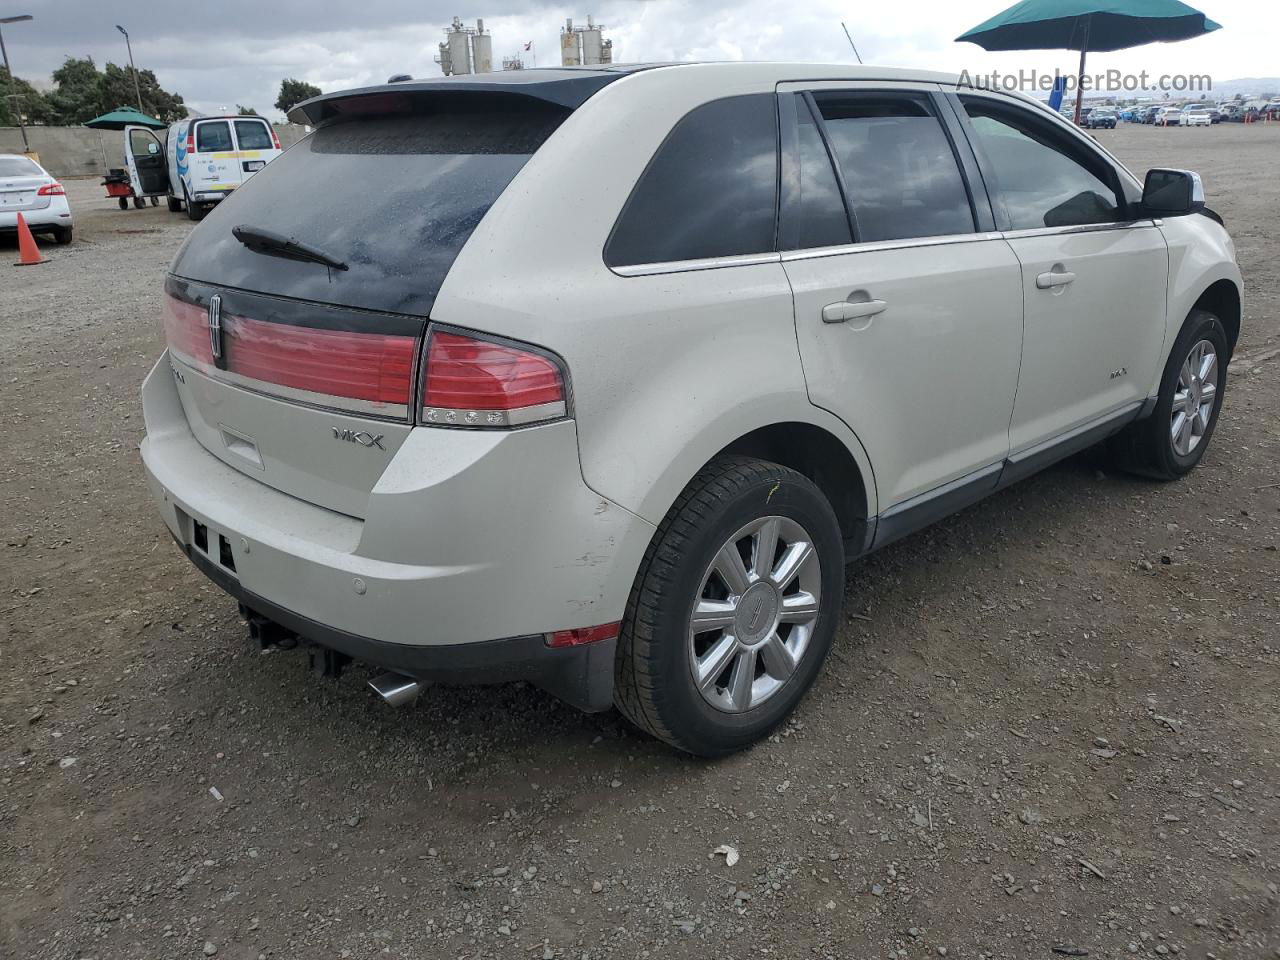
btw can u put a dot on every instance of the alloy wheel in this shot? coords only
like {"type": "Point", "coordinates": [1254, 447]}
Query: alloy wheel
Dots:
{"type": "Point", "coordinates": [1194, 398]}
{"type": "Point", "coordinates": [755, 614]}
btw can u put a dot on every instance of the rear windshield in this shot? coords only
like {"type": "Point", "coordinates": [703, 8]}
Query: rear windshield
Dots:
{"type": "Point", "coordinates": [252, 135]}
{"type": "Point", "coordinates": [394, 197]}
{"type": "Point", "coordinates": [19, 167]}
{"type": "Point", "coordinates": [213, 135]}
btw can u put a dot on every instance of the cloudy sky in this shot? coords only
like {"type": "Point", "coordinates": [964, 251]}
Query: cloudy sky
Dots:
{"type": "Point", "coordinates": [220, 53]}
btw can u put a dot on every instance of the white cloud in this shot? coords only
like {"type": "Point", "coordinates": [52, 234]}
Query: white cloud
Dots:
{"type": "Point", "coordinates": [242, 57]}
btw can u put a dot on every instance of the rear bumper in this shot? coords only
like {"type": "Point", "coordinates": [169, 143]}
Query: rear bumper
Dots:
{"type": "Point", "coordinates": [52, 217]}
{"type": "Point", "coordinates": [469, 540]}
{"type": "Point", "coordinates": [580, 676]}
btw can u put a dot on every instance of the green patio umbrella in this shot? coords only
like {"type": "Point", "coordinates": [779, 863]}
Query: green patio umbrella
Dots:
{"type": "Point", "coordinates": [1084, 25]}
{"type": "Point", "coordinates": [122, 117]}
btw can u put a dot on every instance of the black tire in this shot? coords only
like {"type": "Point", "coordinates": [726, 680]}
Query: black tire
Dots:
{"type": "Point", "coordinates": [653, 680]}
{"type": "Point", "coordinates": [173, 203]}
{"type": "Point", "coordinates": [139, 202]}
{"type": "Point", "coordinates": [155, 201]}
{"type": "Point", "coordinates": [1147, 447]}
{"type": "Point", "coordinates": [124, 203]}
{"type": "Point", "coordinates": [194, 210]}
{"type": "Point", "coordinates": [62, 235]}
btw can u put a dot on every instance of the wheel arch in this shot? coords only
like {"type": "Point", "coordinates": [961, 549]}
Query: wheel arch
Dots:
{"type": "Point", "coordinates": [1222, 299]}
{"type": "Point", "coordinates": [820, 455]}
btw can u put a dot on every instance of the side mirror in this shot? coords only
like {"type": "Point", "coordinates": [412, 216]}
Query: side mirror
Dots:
{"type": "Point", "coordinates": [1172, 193]}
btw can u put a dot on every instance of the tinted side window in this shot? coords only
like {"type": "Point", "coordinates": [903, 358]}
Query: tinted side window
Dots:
{"type": "Point", "coordinates": [709, 191]}
{"type": "Point", "coordinates": [815, 209]}
{"type": "Point", "coordinates": [898, 166]}
{"type": "Point", "coordinates": [1039, 177]}
{"type": "Point", "coordinates": [253, 135]}
{"type": "Point", "coordinates": [213, 136]}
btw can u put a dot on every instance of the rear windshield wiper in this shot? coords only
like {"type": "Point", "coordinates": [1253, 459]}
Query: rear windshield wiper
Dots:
{"type": "Point", "coordinates": [273, 244]}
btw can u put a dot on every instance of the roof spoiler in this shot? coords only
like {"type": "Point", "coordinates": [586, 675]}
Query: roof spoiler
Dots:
{"type": "Point", "coordinates": [558, 87]}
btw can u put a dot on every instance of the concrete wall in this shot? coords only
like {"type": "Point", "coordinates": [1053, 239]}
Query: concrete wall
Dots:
{"type": "Point", "coordinates": [81, 152]}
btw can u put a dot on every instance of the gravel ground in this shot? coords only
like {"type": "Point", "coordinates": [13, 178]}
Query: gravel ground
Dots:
{"type": "Point", "coordinates": [1050, 724]}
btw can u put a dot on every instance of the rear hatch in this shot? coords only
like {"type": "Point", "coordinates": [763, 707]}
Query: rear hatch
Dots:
{"type": "Point", "coordinates": [303, 372]}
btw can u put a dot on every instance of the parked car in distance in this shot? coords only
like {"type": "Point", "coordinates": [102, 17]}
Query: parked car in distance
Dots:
{"type": "Point", "coordinates": [1168, 117]}
{"type": "Point", "coordinates": [1198, 117]}
{"type": "Point", "coordinates": [27, 188]}
{"type": "Point", "coordinates": [413, 414]}
{"type": "Point", "coordinates": [1101, 118]}
{"type": "Point", "coordinates": [1231, 112]}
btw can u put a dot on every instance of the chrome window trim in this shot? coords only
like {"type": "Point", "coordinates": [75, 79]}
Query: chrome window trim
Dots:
{"type": "Point", "coordinates": [1080, 228]}
{"type": "Point", "coordinates": [393, 412]}
{"type": "Point", "coordinates": [906, 243]}
{"type": "Point", "coordinates": [688, 266]}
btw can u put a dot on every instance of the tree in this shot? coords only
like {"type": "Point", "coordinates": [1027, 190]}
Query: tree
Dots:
{"type": "Point", "coordinates": [77, 96]}
{"type": "Point", "coordinates": [293, 92]}
{"type": "Point", "coordinates": [117, 89]}
{"type": "Point", "coordinates": [244, 111]}
{"type": "Point", "coordinates": [83, 92]}
{"type": "Point", "coordinates": [16, 95]}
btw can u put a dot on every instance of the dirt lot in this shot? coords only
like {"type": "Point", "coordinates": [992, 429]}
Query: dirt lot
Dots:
{"type": "Point", "coordinates": [1050, 723]}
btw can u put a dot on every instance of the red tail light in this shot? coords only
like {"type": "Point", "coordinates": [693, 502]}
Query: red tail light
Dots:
{"type": "Point", "coordinates": [274, 138]}
{"type": "Point", "coordinates": [54, 189]}
{"type": "Point", "coordinates": [359, 372]}
{"type": "Point", "coordinates": [191, 143]}
{"type": "Point", "coordinates": [472, 382]}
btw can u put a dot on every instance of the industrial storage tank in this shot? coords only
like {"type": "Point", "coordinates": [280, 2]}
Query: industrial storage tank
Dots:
{"type": "Point", "coordinates": [591, 43]}
{"type": "Point", "coordinates": [482, 49]}
{"type": "Point", "coordinates": [459, 49]}
{"type": "Point", "coordinates": [569, 55]}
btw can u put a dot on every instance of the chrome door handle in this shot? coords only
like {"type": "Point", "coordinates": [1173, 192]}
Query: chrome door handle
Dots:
{"type": "Point", "coordinates": [844, 310]}
{"type": "Point", "coordinates": [1060, 278]}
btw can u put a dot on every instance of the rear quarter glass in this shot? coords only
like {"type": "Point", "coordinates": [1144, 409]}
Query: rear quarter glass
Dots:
{"type": "Point", "coordinates": [394, 197]}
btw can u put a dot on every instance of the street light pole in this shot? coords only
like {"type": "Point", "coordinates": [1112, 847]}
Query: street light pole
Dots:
{"type": "Point", "coordinates": [128, 46]}
{"type": "Point", "coordinates": [17, 99]}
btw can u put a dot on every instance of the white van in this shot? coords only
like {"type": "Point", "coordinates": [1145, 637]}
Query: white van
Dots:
{"type": "Point", "coordinates": [205, 159]}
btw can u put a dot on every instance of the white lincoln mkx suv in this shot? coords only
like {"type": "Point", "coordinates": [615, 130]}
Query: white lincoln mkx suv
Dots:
{"type": "Point", "coordinates": [598, 377]}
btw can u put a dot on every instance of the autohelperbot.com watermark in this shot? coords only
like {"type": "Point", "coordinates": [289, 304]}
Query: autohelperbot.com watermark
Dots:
{"type": "Point", "coordinates": [1109, 81]}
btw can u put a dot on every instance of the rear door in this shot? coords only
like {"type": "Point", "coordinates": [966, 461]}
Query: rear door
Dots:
{"type": "Point", "coordinates": [144, 156]}
{"type": "Point", "coordinates": [255, 145]}
{"type": "Point", "coordinates": [213, 163]}
{"type": "Point", "coordinates": [908, 306]}
{"type": "Point", "coordinates": [1093, 281]}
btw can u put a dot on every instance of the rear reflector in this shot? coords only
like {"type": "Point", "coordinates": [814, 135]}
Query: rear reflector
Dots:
{"type": "Point", "coordinates": [473, 382]}
{"type": "Point", "coordinates": [583, 635]}
{"type": "Point", "coordinates": [361, 372]}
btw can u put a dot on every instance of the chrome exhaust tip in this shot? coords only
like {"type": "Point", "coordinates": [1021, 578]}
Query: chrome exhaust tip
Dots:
{"type": "Point", "coordinates": [395, 688]}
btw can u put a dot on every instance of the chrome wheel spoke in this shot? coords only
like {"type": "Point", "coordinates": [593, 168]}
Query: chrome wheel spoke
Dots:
{"type": "Point", "coordinates": [788, 568]}
{"type": "Point", "coordinates": [712, 615]}
{"type": "Point", "coordinates": [732, 570]}
{"type": "Point", "coordinates": [1208, 391]}
{"type": "Point", "coordinates": [765, 547]}
{"type": "Point", "coordinates": [741, 679]}
{"type": "Point", "coordinates": [778, 659]}
{"type": "Point", "coordinates": [712, 663]}
{"type": "Point", "coordinates": [799, 608]}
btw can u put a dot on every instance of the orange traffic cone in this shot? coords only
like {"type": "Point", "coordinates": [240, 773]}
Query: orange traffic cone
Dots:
{"type": "Point", "coordinates": [28, 252]}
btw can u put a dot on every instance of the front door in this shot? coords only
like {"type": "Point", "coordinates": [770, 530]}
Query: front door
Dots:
{"type": "Point", "coordinates": [144, 156]}
{"type": "Point", "coordinates": [1093, 282]}
{"type": "Point", "coordinates": [909, 318]}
